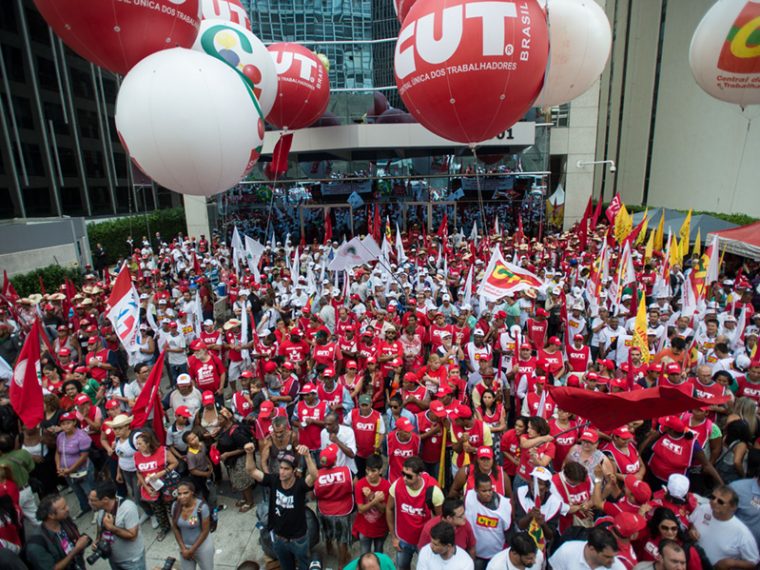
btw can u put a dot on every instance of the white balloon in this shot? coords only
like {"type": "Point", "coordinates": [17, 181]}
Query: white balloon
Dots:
{"type": "Point", "coordinates": [725, 64]}
{"type": "Point", "coordinates": [189, 122]}
{"type": "Point", "coordinates": [239, 49]}
{"type": "Point", "coordinates": [580, 39]}
{"type": "Point", "coordinates": [227, 10]}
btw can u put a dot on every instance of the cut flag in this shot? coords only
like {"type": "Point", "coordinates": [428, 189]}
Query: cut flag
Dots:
{"type": "Point", "coordinates": [149, 401]}
{"type": "Point", "coordinates": [124, 311]}
{"type": "Point", "coordinates": [501, 277]}
{"type": "Point", "coordinates": [26, 388]}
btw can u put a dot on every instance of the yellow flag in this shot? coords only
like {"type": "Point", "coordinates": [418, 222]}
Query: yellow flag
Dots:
{"type": "Point", "coordinates": [675, 252]}
{"type": "Point", "coordinates": [649, 247]}
{"type": "Point", "coordinates": [643, 232]}
{"type": "Point", "coordinates": [683, 235]}
{"type": "Point", "coordinates": [640, 329]}
{"type": "Point", "coordinates": [659, 234]}
{"type": "Point", "coordinates": [698, 243]}
{"type": "Point", "coordinates": [623, 224]}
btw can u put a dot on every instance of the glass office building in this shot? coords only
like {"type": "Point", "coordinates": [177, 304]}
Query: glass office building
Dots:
{"type": "Point", "coordinates": [59, 150]}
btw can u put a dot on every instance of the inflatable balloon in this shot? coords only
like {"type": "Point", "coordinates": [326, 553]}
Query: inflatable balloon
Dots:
{"type": "Point", "coordinates": [580, 39]}
{"type": "Point", "coordinates": [394, 116]}
{"type": "Point", "coordinates": [469, 69]}
{"type": "Point", "coordinates": [115, 34]}
{"type": "Point", "coordinates": [243, 52]}
{"type": "Point", "coordinates": [725, 52]}
{"type": "Point", "coordinates": [189, 122]}
{"type": "Point", "coordinates": [303, 89]}
{"type": "Point", "coordinates": [227, 10]}
{"type": "Point", "coordinates": [402, 8]}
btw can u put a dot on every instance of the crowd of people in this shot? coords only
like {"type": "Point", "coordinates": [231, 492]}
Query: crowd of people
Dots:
{"type": "Point", "coordinates": [416, 413]}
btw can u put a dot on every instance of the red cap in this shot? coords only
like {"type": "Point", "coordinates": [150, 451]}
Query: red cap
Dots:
{"type": "Point", "coordinates": [112, 404]}
{"type": "Point", "coordinates": [411, 377]}
{"type": "Point", "coordinates": [485, 452]}
{"type": "Point", "coordinates": [92, 340]}
{"type": "Point", "coordinates": [540, 379]}
{"type": "Point", "coordinates": [184, 411]}
{"type": "Point", "coordinates": [207, 398]}
{"type": "Point", "coordinates": [555, 341]}
{"type": "Point", "coordinates": [443, 390]}
{"type": "Point", "coordinates": [673, 368]}
{"type": "Point", "coordinates": [623, 432]}
{"type": "Point", "coordinates": [640, 490]}
{"type": "Point", "coordinates": [246, 374]}
{"type": "Point", "coordinates": [351, 365]}
{"type": "Point", "coordinates": [589, 435]}
{"type": "Point", "coordinates": [463, 411]}
{"type": "Point", "coordinates": [81, 370]}
{"type": "Point", "coordinates": [197, 344]}
{"type": "Point", "coordinates": [675, 423]}
{"type": "Point", "coordinates": [628, 524]}
{"type": "Point", "coordinates": [404, 424]}
{"type": "Point", "coordinates": [64, 352]}
{"type": "Point", "coordinates": [62, 328]}
{"type": "Point", "coordinates": [329, 372]}
{"type": "Point", "coordinates": [329, 455]}
{"type": "Point", "coordinates": [621, 383]}
{"type": "Point", "coordinates": [288, 365]}
{"type": "Point", "coordinates": [371, 360]}
{"type": "Point", "coordinates": [368, 333]}
{"type": "Point", "coordinates": [500, 315]}
{"type": "Point", "coordinates": [82, 399]}
{"type": "Point", "coordinates": [270, 367]}
{"type": "Point", "coordinates": [266, 408]}
{"type": "Point", "coordinates": [655, 367]}
{"type": "Point", "coordinates": [397, 362]}
{"type": "Point", "coordinates": [68, 417]}
{"type": "Point", "coordinates": [308, 388]}
{"type": "Point", "coordinates": [306, 310]}
{"type": "Point", "coordinates": [438, 409]}
{"type": "Point", "coordinates": [578, 337]}
{"type": "Point", "coordinates": [541, 312]}
{"type": "Point", "coordinates": [573, 381]}
{"type": "Point", "coordinates": [526, 346]}
{"type": "Point", "coordinates": [173, 325]}
{"type": "Point", "coordinates": [608, 364]}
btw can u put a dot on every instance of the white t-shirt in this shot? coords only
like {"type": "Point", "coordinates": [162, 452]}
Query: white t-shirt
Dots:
{"type": "Point", "coordinates": [501, 562]}
{"type": "Point", "coordinates": [489, 526]}
{"type": "Point", "coordinates": [723, 539]}
{"type": "Point", "coordinates": [429, 560]}
{"type": "Point", "coordinates": [347, 438]}
{"type": "Point", "coordinates": [569, 556]}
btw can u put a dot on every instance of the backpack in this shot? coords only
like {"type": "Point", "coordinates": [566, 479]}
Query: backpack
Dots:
{"type": "Point", "coordinates": [176, 510]}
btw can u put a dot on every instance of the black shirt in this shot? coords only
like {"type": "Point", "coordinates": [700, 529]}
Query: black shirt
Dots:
{"type": "Point", "coordinates": [287, 507]}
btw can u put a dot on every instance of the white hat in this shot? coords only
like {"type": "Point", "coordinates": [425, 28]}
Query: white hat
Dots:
{"type": "Point", "coordinates": [446, 297]}
{"type": "Point", "coordinates": [541, 473]}
{"type": "Point", "coordinates": [208, 323]}
{"type": "Point", "coordinates": [184, 380]}
{"type": "Point", "coordinates": [678, 486]}
{"type": "Point", "coordinates": [479, 332]}
{"type": "Point", "coordinates": [144, 296]}
{"type": "Point", "coordinates": [265, 332]}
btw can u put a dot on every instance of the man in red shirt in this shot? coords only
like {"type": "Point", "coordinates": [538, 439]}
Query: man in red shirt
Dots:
{"type": "Point", "coordinates": [206, 369]}
{"type": "Point", "coordinates": [323, 352]}
{"type": "Point", "coordinates": [389, 349]}
{"type": "Point", "coordinates": [536, 328]}
{"type": "Point", "coordinates": [452, 512]}
{"type": "Point", "coordinates": [296, 350]}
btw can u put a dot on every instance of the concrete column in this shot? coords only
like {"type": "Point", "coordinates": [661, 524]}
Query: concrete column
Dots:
{"type": "Point", "coordinates": [196, 216]}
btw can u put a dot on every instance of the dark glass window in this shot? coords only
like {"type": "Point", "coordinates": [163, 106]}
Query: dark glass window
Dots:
{"type": "Point", "coordinates": [100, 201]}
{"type": "Point", "coordinates": [46, 73]}
{"type": "Point", "coordinates": [68, 160]}
{"type": "Point", "coordinates": [94, 164]}
{"type": "Point", "coordinates": [37, 201]}
{"type": "Point", "coordinates": [35, 166]}
{"type": "Point", "coordinates": [8, 20]}
{"type": "Point", "coordinates": [14, 62]}
{"type": "Point", "coordinates": [22, 108]}
{"type": "Point", "coordinates": [71, 200]}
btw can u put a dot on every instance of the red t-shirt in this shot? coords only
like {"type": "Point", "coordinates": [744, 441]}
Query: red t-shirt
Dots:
{"type": "Point", "coordinates": [207, 375]}
{"type": "Point", "coordinates": [372, 523]}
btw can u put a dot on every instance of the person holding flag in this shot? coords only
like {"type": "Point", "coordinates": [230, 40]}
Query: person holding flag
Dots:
{"type": "Point", "coordinates": [537, 509]}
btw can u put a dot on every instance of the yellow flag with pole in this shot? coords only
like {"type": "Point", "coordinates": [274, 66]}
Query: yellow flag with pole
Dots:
{"type": "Point", "coordinates": [649, 249]}
{"type": "Point", "coordinates": [640, 338]}
{"type": "Point", "coordinates": [644, 226]}
{"type": "Point", "coordinates": [697, 243]}
{"type": "Point", "coordinates": [659, 234]}
{"type": "Point", "coordinates": [684, 234]}
{"type": "Point", "coordinates": [675, 251]}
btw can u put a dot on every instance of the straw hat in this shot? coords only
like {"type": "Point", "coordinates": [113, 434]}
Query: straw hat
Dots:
{"type": "Point", "coordinates": [122, 420]}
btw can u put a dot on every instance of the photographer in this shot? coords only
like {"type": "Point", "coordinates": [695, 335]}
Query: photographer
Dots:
{"type": "Point", "coordinates": [56, 544]}
{"type": "Point", "coordinates": [119, 538]}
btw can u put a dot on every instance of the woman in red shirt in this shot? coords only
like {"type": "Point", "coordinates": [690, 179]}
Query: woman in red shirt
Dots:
{"type": "Point", "coordinates": [562, 423]}
{"type": "Point", "coordinates": [510, 446]}
{"type": "Point", "coordinates": [153, 463]}
{"type": "Point", "coordinates": [538, 449]}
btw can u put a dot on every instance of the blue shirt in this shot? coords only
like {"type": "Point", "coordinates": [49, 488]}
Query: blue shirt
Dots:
{"type": "Point", "coordinates": [749, 504]}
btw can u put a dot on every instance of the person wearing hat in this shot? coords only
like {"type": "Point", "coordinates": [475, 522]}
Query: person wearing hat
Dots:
{"type": "Point", "coordinates": [334, 394]}
{"type": "Point", "coordinates": [369, 431]}
{"type": "Point", "coordinates": [468, 434]}
{"type": "Point", "coordinates": [622, 452]}
{"type": "Point", "coordinates": [536, 328]}
{"type": "Point", "coordinates": [234, 344]}
{"type": "Point", "coordinates": [295, 349]}
{"type": "Point", "coordinates": [675, 450]}
{"type": "Point", "coordinates": [466, 476]}
{"type": "Point", "coordinates": [587, 453]}
{"type": "Point", "coordinates": [676, 497]}
{"type": "Point", "coordinates": [211, 337]}
{"type": "Point", "coordinates": [309, 418]}
{"type": "Point", "coordinates": [578, 355]}
{"type": "Point", "coordinates": [334, 492]}
{"type": "Point", "coordinates": [525, 504]}
{"type": "Point", "coordinates": [626, 528]}
{"type": "Point", "coordinates": [72, 459]}
{"type": "Point", "coordinates": [206, 369]}
{"type": "Point", "coordinates": [175, 346]}
{"type": "Point", "coordinates": [403, 443]}
{"type": "Point", "coordinates": [475, 351]}
{"type": "Point", "coordinates": [287, 504]}
{"type": "Point", "coordinates": [64, 340]}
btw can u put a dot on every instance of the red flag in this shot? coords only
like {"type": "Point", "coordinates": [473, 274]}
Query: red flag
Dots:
{"type": "Point", "coordinates": [279, 165]}
{"type": "Point", "coordinates": [443, 229]}
{"type": "Point", "coordinates": [107, 277]}
{"type": "Point", "coordinates": [597, 213]}
{"type": "Point", "coordinates": [376, 226]}
{"type": "Point", "coordinates": [328, 226]}
{"type": "Point", "coordinates": [26, 388]}
{"type": "Point", "coordinates": [587, 212]}
{"type": "Point", "coordinates": [42, 285]}
{"type": "Point", "coordinates": [197, 266]}
{"type": "Point", "coordinates": [609, 411]}
{"type": "Point", "coordinates": [613, 209]}
{"type": "Point", "coordinates": [636, 231]}
{"type": "Point", "coordinates": [9, 291]}
{"type": "Point", "coordinates": [149, 401]}
{"type": "Point", "coordinates": [520, 233]}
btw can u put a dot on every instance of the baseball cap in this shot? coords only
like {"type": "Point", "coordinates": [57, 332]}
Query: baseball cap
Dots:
{"type": "Point", "coordinates": [623, 432]}
{"type": "Point", "coordinates": [81, 370]}
{"type": "Point", "coordinates": [68, 417]}
{"type": "Point", "coordinates": [404, 424]}
{"type": "Point", "coordinates": [183, 411]}
{"type": "Point", "coordinates": [619, 383]}
{"type": "Point", "coordinates": [329, 372]}
{"type": "Point", "coordinates": [266, 408]}
{"type": "Point", "coordinates": [573, 381]}
{"type": "Point", "coordinates": [555, 341]}
{"type": "Point", "coordinates": [184, 380]}
{"type": "Point", "coordinates": [308, 388]}
{"type": "Point", "coordinates": [675, 423]}
{"type": "Point", "coordinates": [463, 412]}
{"type": "Point", "coordinates": [207, 398]}
{"type": "Point", "coordinates": [64, 352]}
{"type": "Point", "coordinates": [639, 489]}
{"type": "Point", "coordinates": [329, 455]}
{"type": "Point", "coordinates": [411, 377]}
{"type": "Point", "coordinates": [351, 365]}
{"type": "Point", "coordinates": [655, 367]}
{"type": "Point", "coordinates": [82, 399]}
{"type": "Point", "coordinates": [526, 346]}
{"type": "Point", "coordinates": [589, 435]}
{"type": "Point", "coordinates": [541, 473]}
{"type": "Point", "coordinates": [627, 525]}
{"type": "Point", "coordinates": [678, 486]}
{"type": "Point", "coordinates": [438, 409]}
{"type": "Point", "coordinates": [111, 404]}
{"type": "Point", "coordinates": [485, 451]}
{"type": "Point", "coordinates": [270, 367]}
{"type": "Point", "coordinates": [478, 332]}
{"type": "Point", "coordinates": [208, 323]}
{"type": "Point", "coordinates": [673, 368]}
{"type": "Point", "coordinates": [578, 337]}
{"type": "Point", "coordinates": [443, 390]}
{"type": "Point", "coordinates": [365, 399]}
{"type": "Point", "coordinates": [246, 374]}
{"type": "Point", "coordinates": [197, 344]}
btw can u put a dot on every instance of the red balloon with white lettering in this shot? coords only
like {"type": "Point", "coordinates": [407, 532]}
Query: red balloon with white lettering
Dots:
{"type": "Point", "coordinates": [116, 34]}
{"type": "Point", "coordinates": [469, 69]}
{"type": "Point", "coordinates": [303, 89]}
{"type": "Point", "coordinates": [402, 8]}
{"type": "Point", "coordinates": [227, 10]}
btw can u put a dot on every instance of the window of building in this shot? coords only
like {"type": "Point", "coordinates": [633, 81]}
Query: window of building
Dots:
{"type": "Point", "coordinates": [54, 112]}
{"type": "Point", "coordinates": [124, 202]}
{"type": "Point", "coordinates": [94, 164]}
{"type": "Point", "coordinates": [100, 200]}
{"type": "Point", "coordinates": [88, 124]}
{"type": "Point", "coordinates": [82, 84]}
{"type": "Point", "coordinates": [37, 201]}
{"type": "Point", "coordinates": [14, 62]}
{"type": "Point", "coordinates": [46, 74]}
{"type": "Point", "coordinates": [8, 20]}
{"type": "Point", "coordinates": [37, 26]}
{"type": "Point", "coordinates": [71, 200]}
{"type": "Point", "coordinates": [35, 166]}
{"type": "Point", "coordinates": [7, 209]}
{"type": "Point", "coordinates": [68, 160]}
{"type": "Point", "coordinates": [22, 109]}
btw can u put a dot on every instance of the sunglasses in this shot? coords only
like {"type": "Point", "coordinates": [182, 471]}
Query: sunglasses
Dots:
{"type": "Point", "coordinates": [409, 476]}
{"type": "Point", "coordinates": [395, 407]}
{"type": "Point", "coordinates": [718, 500]}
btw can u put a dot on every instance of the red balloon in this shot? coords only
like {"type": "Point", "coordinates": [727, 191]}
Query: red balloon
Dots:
{"type": "Point", "coordinates": [303, 89]}
{"type": "Point", "coordinates": [402, 8]}
{"type": "Point", "coordinates": [115, 34]}
{"type": "Point", "coordinates": [470, 69]}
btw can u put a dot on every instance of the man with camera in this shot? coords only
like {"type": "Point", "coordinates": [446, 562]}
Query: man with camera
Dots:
{"type": "Point", "coordinates": [119, 539]}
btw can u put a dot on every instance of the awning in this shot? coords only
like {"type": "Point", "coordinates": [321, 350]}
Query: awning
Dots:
{"type": "Point", "coordinates": [743, 241]}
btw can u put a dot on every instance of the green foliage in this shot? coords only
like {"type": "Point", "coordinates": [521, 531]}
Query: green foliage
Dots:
{"type": "Point", "coordinates": [113, 234]}
{"type": "Point", "coordinates": [52, 277]}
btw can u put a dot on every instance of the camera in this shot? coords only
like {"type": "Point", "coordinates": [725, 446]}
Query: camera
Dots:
{"type": "Point", "coordinates": [102, 550]}
{"type": "Point", "coordinates": [168, 563]}
{"type": "Point", "coordinates": [613, 169]}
